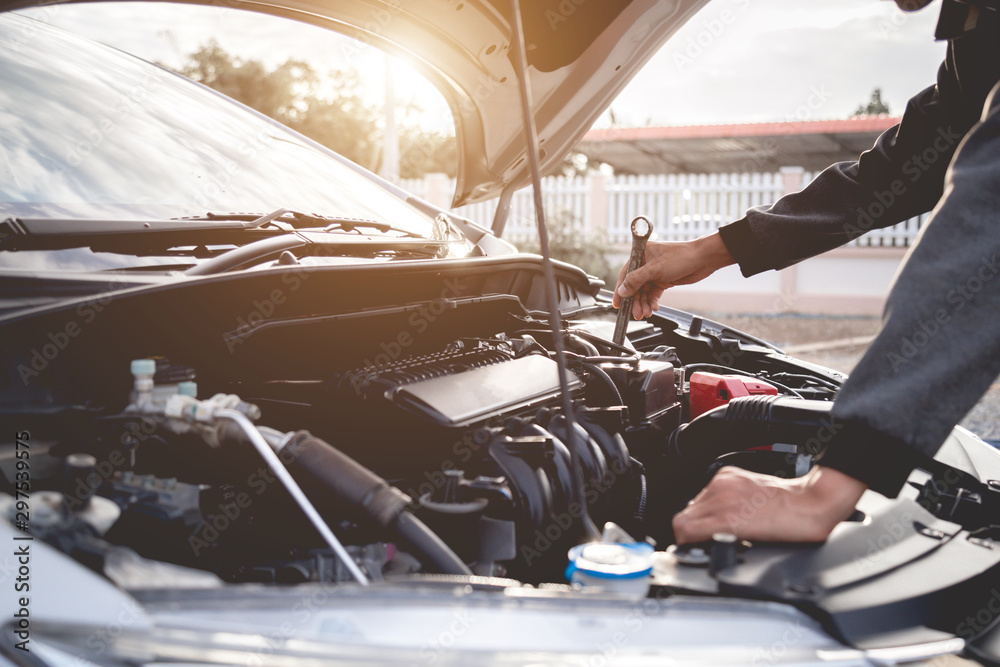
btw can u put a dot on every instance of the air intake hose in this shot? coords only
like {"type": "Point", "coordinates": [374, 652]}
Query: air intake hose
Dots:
{"type": "Point", "coordinates": [751, 421]}
{"type": "Point", "coordinates": [321, 468]}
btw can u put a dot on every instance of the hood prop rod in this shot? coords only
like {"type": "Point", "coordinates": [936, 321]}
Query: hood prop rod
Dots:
{"type": "Point", "coordinates": [502, 213]}
{"type": "Point", "coordinates": [552, 301]}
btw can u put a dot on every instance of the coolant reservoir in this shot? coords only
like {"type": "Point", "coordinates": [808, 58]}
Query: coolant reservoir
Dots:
{"type": "Point", "coordinates": [618, 568]}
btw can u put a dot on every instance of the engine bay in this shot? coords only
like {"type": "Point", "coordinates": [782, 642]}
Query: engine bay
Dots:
{"type": "Point", "coordinates": [427, 434]}
{"type": "Point", "coordinates": [472, 434]}
{"type": "Point", "coordinates": [453, 401]}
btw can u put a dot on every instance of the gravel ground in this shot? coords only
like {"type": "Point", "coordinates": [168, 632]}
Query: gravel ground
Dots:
{"type": "Point", "coordinates": [799, 331]}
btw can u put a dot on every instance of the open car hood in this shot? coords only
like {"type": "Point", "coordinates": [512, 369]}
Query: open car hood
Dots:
{"type": "Point", "coordinates": [580, 55]}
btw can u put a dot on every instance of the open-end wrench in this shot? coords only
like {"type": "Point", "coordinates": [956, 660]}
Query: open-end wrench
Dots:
{"type": "Point", "coordinates": [639, 239]}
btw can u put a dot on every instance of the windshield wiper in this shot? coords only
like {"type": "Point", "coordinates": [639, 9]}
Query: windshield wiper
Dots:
{"type": "Point", "coordinates": [115, 235]}
{"type": "Point", "coordinates": [147, 236]}
{"type": "Point", "coordinates": [319, 243]}
{"type": "Point", "coordinates": [328, 223]}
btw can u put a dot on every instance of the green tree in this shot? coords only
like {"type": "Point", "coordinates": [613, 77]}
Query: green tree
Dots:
{"type": "Point", "coordinates": [346, 123]}
{"type": "Point", "coordinates": [570, 243]}
{"type": "Point", "coordinates": [424, 152]}
{"type": "Point", "coordinates": [874, 107]}
{"type": "Point", "coordinates": [276, 93]}
{"type": "Point", "coordinates": [330, 109]}
{"type": "Point", "coordinates": [576, 164]}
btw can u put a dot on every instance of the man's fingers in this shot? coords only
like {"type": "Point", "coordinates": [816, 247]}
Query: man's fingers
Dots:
{"type": "Point", "coordinates": [633, 281]}
{"type": "Point", "coordinates": [710, 512]}
{"type": "Point", "coordinates": [649, 300]}
{"type": "Point", "coordinates": [754, 506]}
{"type": "Point", "coordinates": [640, 308]}
{"type": "Point", "coordinates": [688, 531]}
{"type": "Point", "coordinates": [637, 306]}
{"type": "Point", "coordinates": [694, 524]}
{"type": "Point", "coordinates": [654, 304]}
{"type": "Point", "coordinates": [616, 299]}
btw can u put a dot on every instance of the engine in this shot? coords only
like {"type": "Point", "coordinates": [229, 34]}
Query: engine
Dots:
{"type": "Point", "coordinates": [408, 423]}
{"type": "Point", "coordinates": [472, 436]}
{"type": "Point", "coordinates": [448, 452]}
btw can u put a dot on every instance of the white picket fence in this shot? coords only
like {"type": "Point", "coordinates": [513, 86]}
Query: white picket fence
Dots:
{"type": "Point", "coordinates": [690, 205]}
{"type": "Point", "coordinates": [681, 206]}
{"type": "Point", "coordinates": [565, 198]}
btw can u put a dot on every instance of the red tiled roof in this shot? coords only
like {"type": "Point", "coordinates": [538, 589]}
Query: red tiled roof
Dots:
{"type": "Point", "coordinates": [843, 126]}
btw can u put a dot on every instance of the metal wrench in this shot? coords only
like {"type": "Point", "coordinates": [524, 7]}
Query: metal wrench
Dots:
{"type": "Point", "coordinates": [634, 262]}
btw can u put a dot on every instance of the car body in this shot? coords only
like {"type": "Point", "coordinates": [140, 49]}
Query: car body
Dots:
{"type": "Point", "coordinates": [414, 480]}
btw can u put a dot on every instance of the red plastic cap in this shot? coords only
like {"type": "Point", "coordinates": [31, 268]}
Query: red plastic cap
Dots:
{"type": "Point", "coordinates": [709, 390]}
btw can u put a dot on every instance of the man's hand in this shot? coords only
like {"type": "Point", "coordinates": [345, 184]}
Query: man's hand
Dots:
{"type": "Point", "coordinates": [762, 507]}
{"type": "Point", "coordinates": [668, 264]}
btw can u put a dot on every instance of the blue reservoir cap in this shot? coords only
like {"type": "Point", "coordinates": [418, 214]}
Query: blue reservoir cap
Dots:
{"type": "Point", "coordinates": [611, 561]}
{"type": "Point", "coordinates": [143, 367]}
{"type": "Point", "coordinates": [188, 389]}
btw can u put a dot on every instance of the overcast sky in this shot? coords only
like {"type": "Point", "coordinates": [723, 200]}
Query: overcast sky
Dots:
{"type": "Point", "coordinates": [736, 61]}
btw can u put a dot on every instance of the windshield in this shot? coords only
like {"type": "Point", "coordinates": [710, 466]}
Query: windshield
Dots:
{"type": "Point", "coordinates": [89, 132]}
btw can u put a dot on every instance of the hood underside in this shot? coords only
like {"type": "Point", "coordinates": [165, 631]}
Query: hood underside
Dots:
{"type": "Point", "coordinates": [580, 55]}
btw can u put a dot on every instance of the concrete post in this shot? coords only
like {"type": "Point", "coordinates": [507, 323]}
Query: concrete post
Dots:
{"type": "Point", "coordinates": [792, 178]}
{"type": "Point", "coordinates": [598, 204]}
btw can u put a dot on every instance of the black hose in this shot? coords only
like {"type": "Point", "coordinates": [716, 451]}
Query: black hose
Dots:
{"type": "Point", "coordinates": [608, 345]}
{"type": "Point", "coordinates": [612, 360]}
{"type": "Point", "coordinates": [808, 378]}
{"type": "Point", "coordinates": [580, 343]}
{"type": "Point", "coordinates": [737, 371]}
{"type": "Point", "coordinates": [318, 465]}
{"type": "Point", "coordinates": [601, 373]}
{"type": "Point", "coordinates": [326, 471]}
{"type": "Point", "coordinates": [750, 421]}
{"type": "Point", "coordinates": [640, 511]}
{"type": "Point", "coordinates": [631, 356]}
{"type": "Point", "coordinates": [428, 545]}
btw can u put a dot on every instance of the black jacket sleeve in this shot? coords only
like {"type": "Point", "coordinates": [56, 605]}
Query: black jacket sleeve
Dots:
{"type": "Point", "coordinates": [901, 176]}
{"type": "Point", "coordinates": [939, 347]}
